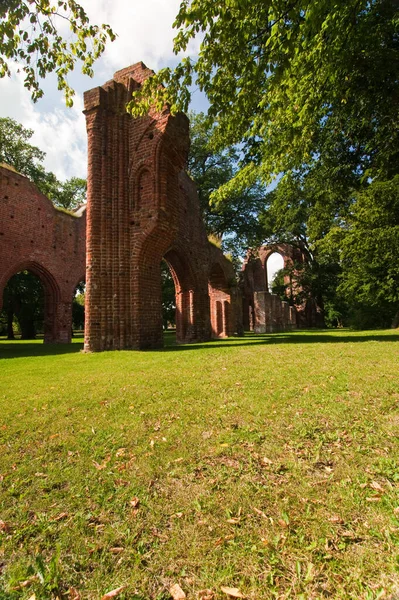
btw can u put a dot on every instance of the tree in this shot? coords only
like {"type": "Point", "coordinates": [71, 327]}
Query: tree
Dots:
{"type": "Point", "coordinates": [234, 221]}
{"type": "Point", "coordinates": [368, 247]}
{"type": "Point", "coordinates": [168, 297]}
{"type": "Point", "coordinates": [30, 36]}
{"type": "Point", "coordinates": [23, 299]}
{"type": "Point", "coordinates": [78, 307]}
{"type": "Point", "coordinates": [292, 80]}
{"type": "Point", "coordinates": [69, 194]}
{"type": "Point", "coordinates": [16, 151]}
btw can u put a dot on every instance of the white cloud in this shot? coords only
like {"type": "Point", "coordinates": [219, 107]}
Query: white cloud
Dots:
{"type": "Point", "coordinates": [145, 34]}
{"type": "Point", "coordinates": [60, 132]}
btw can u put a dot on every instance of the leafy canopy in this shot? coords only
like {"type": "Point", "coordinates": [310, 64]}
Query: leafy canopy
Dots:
{"type": "Point", "coordinates": [234, 221]}
{"type": "Point", "coordinates": [30, 35]}
{"type": "Point", "coordinates": [291, 79]}
{"type": "Point", "coordinates": [17, 151]}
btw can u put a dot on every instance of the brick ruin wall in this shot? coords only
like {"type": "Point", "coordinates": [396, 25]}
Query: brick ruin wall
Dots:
{"type": "Point", "coordinates": [35, 236]}
{"type": "Point", "coordinates": [142, 208]}
{"type": "Point", "coordinates": [264, 312]}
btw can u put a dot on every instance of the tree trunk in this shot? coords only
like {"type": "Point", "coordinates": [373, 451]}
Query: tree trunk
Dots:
{"type": "Point", "coordinates": [10, 329]}
{"type": "Point", "coordinates": [395, 321]}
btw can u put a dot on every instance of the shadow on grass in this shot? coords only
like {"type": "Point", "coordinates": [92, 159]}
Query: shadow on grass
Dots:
{"type": "Point", "coordinates": [19, 349]}
{"type": "Point", "coordinates": [308, 337]}
{"type": "Point", "coordinates": [22, 348]}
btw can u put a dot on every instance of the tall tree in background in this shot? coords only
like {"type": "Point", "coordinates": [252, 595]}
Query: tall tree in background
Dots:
{"type": "Point", "coordinates": [23, 299]}
{"type": "Point", "coordinates": [30, 37]}
{"type": "Point", "coordinates": [367, 247]}
{"type": "Point", "coordinates": [292, 80]}
{"type": "Point", "coordinates": [234, 221]}
{"type": "Point", "coordinates": [17, 151]}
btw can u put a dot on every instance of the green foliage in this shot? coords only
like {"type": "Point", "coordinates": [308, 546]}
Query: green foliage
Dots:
{"type": "Point", "coordinates": [368, 243]}
{"type": "Point", "coordinates": [69, 194]}
{"type": "Point", "coordinates": [233, 220]}
{"type": "Point", "coordinates": [168, 297]}
{"type": "Point", "coordinates": [290, 80]}
{"type": "Point", "coordinates": [23, 298]}
{"type": "Point", "coordinates": [16, 151]}
{"type": "Point", "coordinates": [30, 36]}
{"type": "Point", "coordinates": [279, 286]}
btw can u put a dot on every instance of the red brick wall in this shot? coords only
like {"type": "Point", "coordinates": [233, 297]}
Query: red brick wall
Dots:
{"type": "Point", "coordinates": [262, 311]}
{"type": "Point", "coordinates": [142, 207]}
{"type": "Point", "coordinates": [37, 237]}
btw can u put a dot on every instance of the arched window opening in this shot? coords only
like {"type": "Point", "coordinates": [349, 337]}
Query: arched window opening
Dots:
{"type": "Point", "coordinates": [22, 315]}
{"type": "Point", "coordinates": [168, 299]}
{"type": "Point", "coordinates": [178, 296]}
{"type": "Point", "coordinates": [78, 310]}
{"type": "Point", "coordinates": [220, 302]}
{"type": "Point", "coordinates": [275, 263]}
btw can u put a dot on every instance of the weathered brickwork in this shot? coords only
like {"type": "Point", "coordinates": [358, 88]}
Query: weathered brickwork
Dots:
{"type": "Point", "coordinates": [265, 312]}
{"type": "Point", "coordinates": [142, 208]}
{"type": "Point", "coordinates": [37, 237]}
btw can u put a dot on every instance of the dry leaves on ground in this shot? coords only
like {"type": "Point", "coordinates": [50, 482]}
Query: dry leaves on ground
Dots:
{"type": "Point", "coordinates": [232, 592]}
{"type": "Point", "coordinates": [176, 592]}
{"type": "Point", "coordinates": [113, 593]}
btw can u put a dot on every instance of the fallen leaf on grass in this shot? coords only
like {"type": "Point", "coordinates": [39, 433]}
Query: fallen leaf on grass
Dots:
{"type": "Point", "coordinates": [206, 595]}
{"type": "Point", "coordinates": [266, 461]}
{"type": "Point", "coordinates": [336, 519]}
{"type": "Point", "coordinates": [134, 502]}
{"type": "Point", "coordinates": [282, 523]}
{"type": "Point", "coordinates": [4, 528]}
{"type": "Point", "coordinates": [61, 516]}
{"type": "Point", "coordinates": [376, 486]}
{"type": "Point", "coordinates": [233, 592]}
{"type": "Point", "coordinates": [233, 521]}
{"type": "Point", "coordinates": [26, 583]}
{"type": "Point", "coordinates": [116, 550]}
{"type": "Point", "coordinates": [73, 594]}
{"type": "Point", "coordinates": [176, 592]}
{"type": "Point", "coordinates": [113, 593]}
{"type": "Point", "coordinates": [103, 465]}
{"type": "Point", "coordinates": [260, 512]}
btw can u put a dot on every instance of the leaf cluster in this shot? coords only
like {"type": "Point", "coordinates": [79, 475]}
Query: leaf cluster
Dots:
{"type": "Point", "coordinates": [17, 151]}
{"type": "Point", "coordinates": [30, 35]}
{"type": "Point", "coordinates": [290, 79]}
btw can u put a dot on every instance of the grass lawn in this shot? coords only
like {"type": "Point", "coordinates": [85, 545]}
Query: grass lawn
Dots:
{"type": "Point", "coordinates": [266, 463]}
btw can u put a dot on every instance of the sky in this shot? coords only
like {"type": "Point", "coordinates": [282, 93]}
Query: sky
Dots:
{"type": "Point", "coordinates": [144, 33]}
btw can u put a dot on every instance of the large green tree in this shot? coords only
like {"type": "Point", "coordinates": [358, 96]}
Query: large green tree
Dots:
{"type": "Point", "coordinates": [23, 299]}
{"type": "Point", "coordinates": [367, 247]}
{"type": "Point", "coordinates": [234, 221]}
{"type": "Point", "coordinates": [30, 36]}
{"type": "Point", "coordinates": [292, 80]}
{"type": "Point", "coordinates": [17, 151]}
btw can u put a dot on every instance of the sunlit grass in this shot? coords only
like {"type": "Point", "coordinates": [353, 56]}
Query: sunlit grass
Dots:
{"type": "Point", "coordinates": [264, 463]}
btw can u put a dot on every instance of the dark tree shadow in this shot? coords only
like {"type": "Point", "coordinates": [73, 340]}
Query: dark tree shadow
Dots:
{"type": "Point", "coordinates": [20, 348]}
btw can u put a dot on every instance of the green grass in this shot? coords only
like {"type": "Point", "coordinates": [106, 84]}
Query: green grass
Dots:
{"type": "Point", "coordinates": [266, 463]}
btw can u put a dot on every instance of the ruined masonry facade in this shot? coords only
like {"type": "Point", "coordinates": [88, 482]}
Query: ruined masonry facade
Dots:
{"type": "Point", "coordinates": [264, 312]}
{"type": "Point", "coordinates": [35, 236]}
{"type": "Point", "coordinates": [142, 208]}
